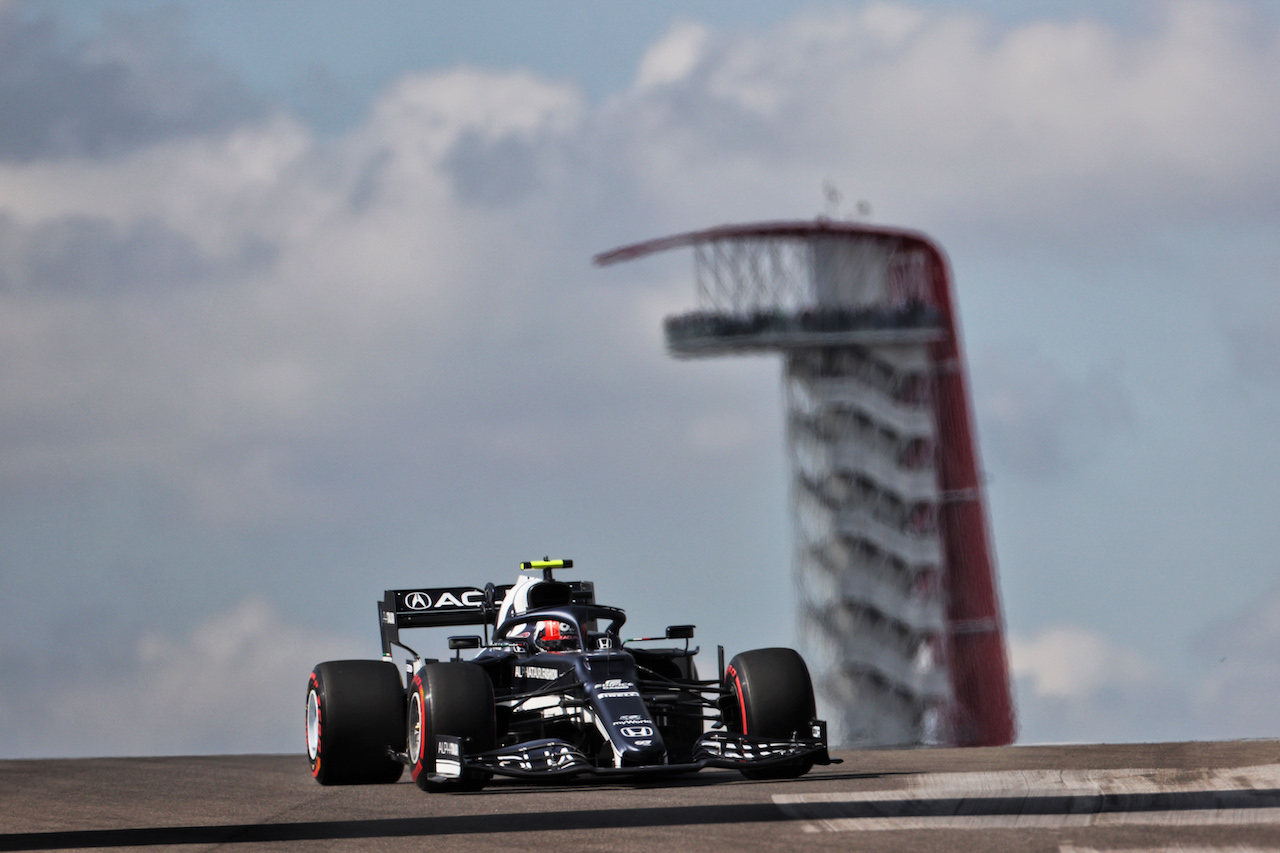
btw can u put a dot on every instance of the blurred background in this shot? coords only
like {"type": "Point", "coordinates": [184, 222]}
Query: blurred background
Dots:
{"type": "Point", "coordinates": [296, 305]}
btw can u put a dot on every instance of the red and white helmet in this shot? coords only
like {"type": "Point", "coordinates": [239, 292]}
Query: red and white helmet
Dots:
{"type": "Point", "coordinates": [555, 637]}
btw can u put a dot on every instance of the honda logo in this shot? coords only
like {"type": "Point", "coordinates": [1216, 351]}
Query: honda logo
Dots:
{"type": "Point", "coordinates": [636, 731]}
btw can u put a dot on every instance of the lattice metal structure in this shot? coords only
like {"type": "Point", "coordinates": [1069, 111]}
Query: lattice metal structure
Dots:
{"type": "Point", "coordinates": [898, 609]}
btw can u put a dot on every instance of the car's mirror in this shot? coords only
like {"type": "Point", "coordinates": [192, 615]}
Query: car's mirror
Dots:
{"type": "Point", "coordinates": [471, 642]}
{"type": "Point", "coordinates": [680, 632]}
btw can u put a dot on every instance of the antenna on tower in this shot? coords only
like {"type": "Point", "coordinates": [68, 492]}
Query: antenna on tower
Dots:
{"type": "Point", "coordinates": [832, 195]}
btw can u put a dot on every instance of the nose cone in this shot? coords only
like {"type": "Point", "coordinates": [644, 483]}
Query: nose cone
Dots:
{"type": "Point", "coordinates": [631, 730]}
{"type": "Point", "coordinates": [640, 745]}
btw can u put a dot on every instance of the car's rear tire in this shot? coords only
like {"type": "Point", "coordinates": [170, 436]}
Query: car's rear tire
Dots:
{"type": "Point", "coordinates": [449, 699]}
{"type": "Point", "coordinates": [769, 695]}
{"type": "Point", "coordinates": [355, 719]}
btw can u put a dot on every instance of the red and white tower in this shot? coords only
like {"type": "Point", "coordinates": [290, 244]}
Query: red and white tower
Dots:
{"type": "Point", "coordinates": [898, 609]}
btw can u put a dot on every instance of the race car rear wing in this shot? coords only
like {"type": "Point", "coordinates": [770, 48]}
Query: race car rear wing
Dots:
{"type": "Point", "coordinates": [454, 605]}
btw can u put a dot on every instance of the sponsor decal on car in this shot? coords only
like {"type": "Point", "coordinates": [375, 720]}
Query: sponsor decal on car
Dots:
{"type": "Point", "coordinates": [448, 756]}
{"type": "Point", "coordinates": [616, 688]}
{"type": "Point", "coordinates": [545, 673]}
{"type": "Point", "coordinates": [459, 598]}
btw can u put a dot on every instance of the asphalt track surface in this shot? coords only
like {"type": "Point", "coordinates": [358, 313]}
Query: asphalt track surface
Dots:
{"type": "Point", "coordinates": [1071, 799]}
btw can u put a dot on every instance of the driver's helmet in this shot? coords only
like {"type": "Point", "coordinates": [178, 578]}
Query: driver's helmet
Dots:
{"type": "Point", "coordinates": [555, 637]}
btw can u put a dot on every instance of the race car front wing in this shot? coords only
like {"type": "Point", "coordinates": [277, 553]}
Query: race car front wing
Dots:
{"type": "Point", "coordinates": [553, 758]}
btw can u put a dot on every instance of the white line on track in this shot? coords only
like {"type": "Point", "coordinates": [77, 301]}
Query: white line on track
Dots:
{"type": "Point", "coordinates": [948, 800]}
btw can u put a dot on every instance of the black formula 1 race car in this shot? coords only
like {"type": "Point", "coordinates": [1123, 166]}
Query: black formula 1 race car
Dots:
{"type": "Point", "coordinates": [554, 692]}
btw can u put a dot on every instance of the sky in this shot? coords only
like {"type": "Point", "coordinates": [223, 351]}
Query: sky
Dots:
{"type": "Point", "coordinates": [296, 305]}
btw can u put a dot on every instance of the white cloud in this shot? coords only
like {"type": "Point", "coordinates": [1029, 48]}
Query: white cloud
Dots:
{"type": "Point", "coordinates": [1077, 684]}
{"type": "Point", "coordinates": [674, 57]}
{"type": "Point", "coordinates": [376, 253]}
{"type": "Point", "coordinates": [1069, 662]}
{"type": "Point", "coordinates": [939, 115]}
{"type": "Point", "coordinates": [234, 683]}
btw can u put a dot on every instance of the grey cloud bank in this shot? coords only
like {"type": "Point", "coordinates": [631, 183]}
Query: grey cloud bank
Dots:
{"type": "Point", "coordinates": [135, 86]}
{"type": "Point", "coordinates": [253, 375]}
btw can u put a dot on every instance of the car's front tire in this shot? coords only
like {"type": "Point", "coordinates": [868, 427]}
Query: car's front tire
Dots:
{"type": "Point", "coordinates": [769, 694]}
{"type": "Point", "coordinates": [355, 719]}
{"type": "Point", "coordinates": [449, 699]}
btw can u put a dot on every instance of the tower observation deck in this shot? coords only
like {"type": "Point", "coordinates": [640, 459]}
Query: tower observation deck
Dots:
{"type": "Point", "coordinates": [898, 608]}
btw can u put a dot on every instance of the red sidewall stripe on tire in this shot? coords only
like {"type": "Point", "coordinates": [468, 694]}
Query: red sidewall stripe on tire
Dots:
{"type": "Point", "coordinates": [416, 767]}
{"type": "Point", "coordinates": [742, 704]}
{"type": "Point", "coordinates": [315, 686]}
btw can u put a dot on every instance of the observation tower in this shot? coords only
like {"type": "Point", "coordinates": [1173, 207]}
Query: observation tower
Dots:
{"type": "Point", "coordinates": [898, 608]}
